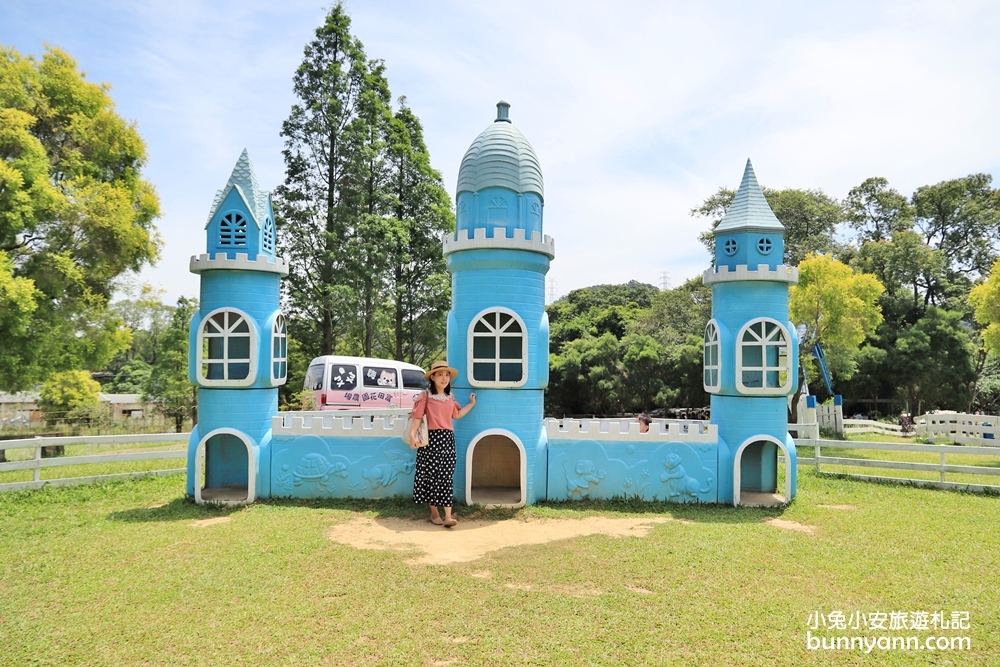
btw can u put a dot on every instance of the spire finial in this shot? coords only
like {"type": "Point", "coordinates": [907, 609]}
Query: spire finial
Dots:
{"type": "Point", "coordinates": [503, 114]}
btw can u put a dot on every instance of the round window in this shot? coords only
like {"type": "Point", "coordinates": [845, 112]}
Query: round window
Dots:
{"type": "Point", "coordinates": [730, 246]}
{"type": "Point", "coordinates": [764, 246]}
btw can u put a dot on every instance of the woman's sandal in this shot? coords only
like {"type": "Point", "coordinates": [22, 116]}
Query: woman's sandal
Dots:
{"type": "Point", "coordinates": [437, 521]}
{"type": "Point", "coordinates": [450, 522]}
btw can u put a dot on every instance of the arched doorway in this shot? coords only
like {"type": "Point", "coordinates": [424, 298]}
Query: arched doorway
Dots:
{"type": "Point", "coordinates": [225, 468]}
{"type": "Point", "coordinates": [496, 470]}
{"type": "Point", "coordinates": [755, 472]}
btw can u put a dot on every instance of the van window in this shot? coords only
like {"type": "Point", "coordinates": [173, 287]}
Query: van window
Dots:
{"type": "Point", "coordinates": [380, 376]}
{"type": "Point", "coordinates": [343, 377]}
{"type": "Point", "coordinates": [414, 379]}
{"type": "Point", "coordinates": [314, 378]}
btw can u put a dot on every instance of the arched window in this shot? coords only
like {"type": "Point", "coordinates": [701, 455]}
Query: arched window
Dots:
{"type": "Point", "coordinates": [233, 230]}
{"type": "Point", "coordinates": [712, 364]}
{"type": "Point", "coordinates": [763, 358]}
{"type": "Point", "coordinates": [279, 351]}
{"type": "Point", "coordinates": [226, 344]}
{"type": "Point", "coordinates": [267, 236]}
{"type": "Point", "coordinates": [498, 349]}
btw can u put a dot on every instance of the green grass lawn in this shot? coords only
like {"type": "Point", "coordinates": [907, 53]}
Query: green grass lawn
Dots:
{"type": "Point", "coordinates": [116, 574]}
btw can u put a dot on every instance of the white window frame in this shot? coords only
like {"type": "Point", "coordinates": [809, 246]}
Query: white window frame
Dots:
{"type": "Point", "coordinates": [225, 361]}
{"type": "Point", "coordinates": [764, 369]}
{"type": "Point", "coordinates": [497, 360]}
{"type": "Point", "coordinates": [713, 327]}
{"type": "Point", "coordinates": [268, 237]}
{"type": "Point", "coordinates": [279, 335]}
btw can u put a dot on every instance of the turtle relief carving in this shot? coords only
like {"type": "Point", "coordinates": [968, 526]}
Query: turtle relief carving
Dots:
{"type": "Point", "coordinates": [580, 478]}
{"type": "Point", "coordinates": [678, 482]}
{"type": "Point", "coordinates": [312, 468]}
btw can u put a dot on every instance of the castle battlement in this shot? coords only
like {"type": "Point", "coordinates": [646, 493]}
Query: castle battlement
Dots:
{"type": "Point", "coordinates": [628, 430]}
{"type": "Point", "coordinates": [327, 423]}
{"type": "Point", "coordinates": [242, 262]}
{"type": "Point", "coordinates": [781, 274]}
{"type": "Point", "coordinates": [462, 240]}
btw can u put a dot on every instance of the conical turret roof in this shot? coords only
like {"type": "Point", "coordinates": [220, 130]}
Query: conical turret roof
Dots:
{"type": "Point", "coordinates": [749, 210]}
{"type": "Point", "coordinates": [245, 182]}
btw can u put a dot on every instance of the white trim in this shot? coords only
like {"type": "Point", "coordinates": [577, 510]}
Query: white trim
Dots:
{"type": "Point", "coordinates": [780, 274]}
{"type": "Point", "coordinates": [220, 261]}
{"type": "Point", "coordinates": [519, 240]}
{"type": "Point", "coordinates": [496, 360]}
{"type": "Point", "coordinates": [705, 367]}
{"type": "Point", "coordinates": [199, 467]}
{"type": "Point", "coordinates": [739, 456]}
{"type": "Point", "coordinates": [524, 465]}
{"type": "Point", "coordinates": [200, 361]}
{"type": "Point", "coordinates": [764, 369]}
{"type": "Point", "coordinates": [276, 381]}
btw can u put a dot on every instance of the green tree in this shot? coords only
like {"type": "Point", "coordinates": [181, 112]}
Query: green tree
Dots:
{"type": "Point", "coordinates": [838, 309]}
{"type": "Point", "coordinates": [934, 362]}
{"type": "Point", "coordinates": [361, 210]}
{"type": "Point", "coordinates": [877, 212]}
{"type": "Point", "coordinates": [985, 299]}
{"type": "Point", "coordinates": [421, 287]}
{"type": "Point", "coordinates": [131, 378]}
{"type": "Point", "coordinates": [169, 389]}
{"type": "Point", "coordinates": [75, 213]}
{"type": "Point", "coordinates": [68, 396]}
{"type": "Point", "coordinates": [810, 218]}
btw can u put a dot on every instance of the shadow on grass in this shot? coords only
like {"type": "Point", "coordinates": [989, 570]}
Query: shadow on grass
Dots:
{"type": "Point", "coordinates": [178, 509]}
{"type": "Point", "coordinates": [405, 508]}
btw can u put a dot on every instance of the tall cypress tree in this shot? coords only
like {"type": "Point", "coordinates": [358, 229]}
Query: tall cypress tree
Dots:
{"type": "Point", "coordinates": [361, 210]}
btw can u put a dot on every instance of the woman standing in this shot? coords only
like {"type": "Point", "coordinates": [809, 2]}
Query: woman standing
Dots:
{"type": "Point", "coordinates": [434, 479]}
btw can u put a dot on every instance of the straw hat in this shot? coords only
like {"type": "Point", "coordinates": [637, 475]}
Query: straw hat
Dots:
{"type": "Point", "coordinates": [441, 366]}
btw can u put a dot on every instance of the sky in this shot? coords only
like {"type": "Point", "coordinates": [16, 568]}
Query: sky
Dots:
{"type": "Point", "coordinates": [637, 110]}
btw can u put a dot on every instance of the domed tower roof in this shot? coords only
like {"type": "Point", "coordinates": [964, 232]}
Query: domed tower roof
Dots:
{"type": "Point", "coordinates": [501, 157]}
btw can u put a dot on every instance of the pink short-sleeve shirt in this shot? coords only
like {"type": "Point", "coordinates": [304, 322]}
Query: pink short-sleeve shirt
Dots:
{"type": "Point", "coordinates": [439, 408]}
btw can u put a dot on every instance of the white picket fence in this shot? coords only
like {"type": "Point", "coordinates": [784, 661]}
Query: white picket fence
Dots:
{"type": "Point", "coordinates": [959, 427]}
{"type": "Point", "coordinates": [942, 467]}
{"type": "Point", "coordinates": [36, 463]}
{"type": "Point", "coordinates": [861, 426]}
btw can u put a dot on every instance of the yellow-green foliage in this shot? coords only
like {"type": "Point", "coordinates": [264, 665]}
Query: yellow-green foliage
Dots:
{"type": "Point", "coordinates": [838, 308]}
{"type": "Point", "coordinates": [67, 392]}
{"type": "Point", "coordinates": [74, 214]}
{"type": "Point", "coordinates": [985, 298]}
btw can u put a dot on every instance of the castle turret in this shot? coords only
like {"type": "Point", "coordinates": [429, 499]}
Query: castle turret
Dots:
{"type": "Point", "coordinates": [238, 345]}
{"type": "Point", "coordinates": [751, 352]}
{"type": "Point", "coordinates": [497, 326]}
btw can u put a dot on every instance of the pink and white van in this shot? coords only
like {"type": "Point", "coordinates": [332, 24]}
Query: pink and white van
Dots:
{"type": "Point", "coordinates": [361, 383]}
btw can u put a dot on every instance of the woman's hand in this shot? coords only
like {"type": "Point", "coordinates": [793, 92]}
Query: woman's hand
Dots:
{"type": "Point", "coordinates": [472, 399]}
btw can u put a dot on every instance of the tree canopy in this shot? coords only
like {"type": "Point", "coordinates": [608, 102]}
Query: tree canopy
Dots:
{"type": "Point", "coordinates": [361, 209]}
{"type": "Point", "coordinates": [75, 213]}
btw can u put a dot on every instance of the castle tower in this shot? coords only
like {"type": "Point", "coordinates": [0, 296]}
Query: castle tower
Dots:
{"type": "Point", "coordinates": [498, 330]}
{"type": "Point", "coordinates": [751, 352]}
{"type": "Point", "coordinates": [238, 345]}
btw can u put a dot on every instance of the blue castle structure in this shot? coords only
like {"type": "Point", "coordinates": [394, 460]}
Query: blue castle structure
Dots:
{"type": "Point", "coordinates": [509, 454]}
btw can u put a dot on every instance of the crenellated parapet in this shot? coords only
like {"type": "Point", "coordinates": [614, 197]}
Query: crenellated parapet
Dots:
{"type": "Point", "coordinates": [517, 240]}
{"type": "Point", "coordinates": [780, 274]}
{"type": "Point", "coordinates": [219, 261]}
{"type": "Point", "coordinates": [331, 424]}
{"type": "Point", "coordinates": [628, 430]}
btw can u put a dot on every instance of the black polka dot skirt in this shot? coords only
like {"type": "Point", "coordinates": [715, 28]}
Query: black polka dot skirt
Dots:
{"type": "Point", "coordinates": [433, 480]}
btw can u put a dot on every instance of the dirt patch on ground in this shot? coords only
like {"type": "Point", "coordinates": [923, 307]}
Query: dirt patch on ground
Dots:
{"type": "Point", "coordinates": [838, 507]}
{"type": "Point", "coordinates": [791, 525]}
{"type": "Point", "coordinates": [201, 523]}
{"type": "Point", "coordinates": [471, 540]}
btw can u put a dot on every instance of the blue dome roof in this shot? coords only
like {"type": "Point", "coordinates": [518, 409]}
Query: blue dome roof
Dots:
{"type": "Point", "coordinates": [501, 157]}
